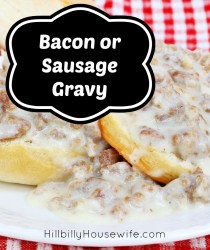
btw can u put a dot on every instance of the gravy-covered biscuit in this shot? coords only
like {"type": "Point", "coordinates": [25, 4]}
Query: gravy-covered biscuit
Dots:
{"type": "Point", "coordinates": [171, 134]}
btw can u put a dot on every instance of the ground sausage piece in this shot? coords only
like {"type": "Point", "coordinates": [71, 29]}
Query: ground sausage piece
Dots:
{"type": "Point", "coordinates": [40, 121]}
{"type": "Point", "coordinates": [150, 132]}
{"type": "Point", "coordinates": [18, 126]}
{"type": "Point", "coordinates": [108, 157]}
{"type": "Point", "coordinates": [5, 102]}
{"type": "Point", "coordinates": [75, 126]}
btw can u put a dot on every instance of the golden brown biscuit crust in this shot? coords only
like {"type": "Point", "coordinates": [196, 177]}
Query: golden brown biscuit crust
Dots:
{"type": "Point", "coordinates": [12, 11]}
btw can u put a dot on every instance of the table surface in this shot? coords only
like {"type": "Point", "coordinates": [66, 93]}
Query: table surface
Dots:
{"type": "Point", "coordinates": [183, 22]}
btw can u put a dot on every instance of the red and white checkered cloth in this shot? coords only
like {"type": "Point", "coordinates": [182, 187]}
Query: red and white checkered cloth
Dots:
{"type": "Point", "coordinates": [183, 22]}
{"type": "Point", "coordinates": [202, 243]}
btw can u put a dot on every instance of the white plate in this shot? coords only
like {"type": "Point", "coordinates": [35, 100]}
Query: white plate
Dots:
{"type": "Point", "coordinates": [18, 219]}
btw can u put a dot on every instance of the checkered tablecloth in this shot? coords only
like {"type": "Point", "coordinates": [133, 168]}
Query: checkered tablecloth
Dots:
{"type": "Point", "coordinates": [202, 243]}
{"type": "Point", "coordinates": [183, 22]}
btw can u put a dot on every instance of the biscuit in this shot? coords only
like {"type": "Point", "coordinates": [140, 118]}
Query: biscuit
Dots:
{"type": "Point", "coordinates": [12, 11]}
{"type": "Point", "coordinates": [171, 134]}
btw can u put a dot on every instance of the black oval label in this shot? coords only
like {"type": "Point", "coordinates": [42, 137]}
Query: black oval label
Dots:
{"type": "Point", "coordinates": [80, 63]}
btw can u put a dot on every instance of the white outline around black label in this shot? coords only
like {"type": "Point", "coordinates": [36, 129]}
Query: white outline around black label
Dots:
{"type": "Point", "coordinates": [105, 110]}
